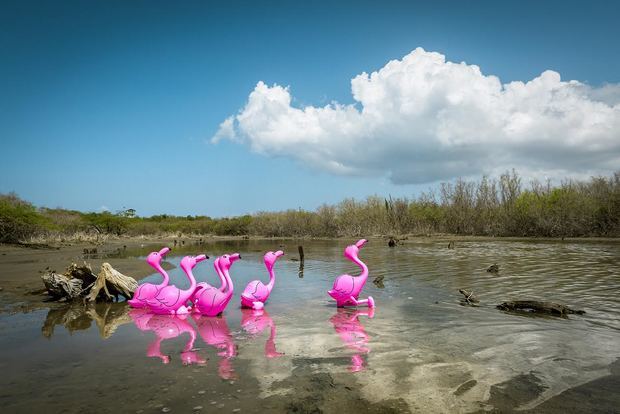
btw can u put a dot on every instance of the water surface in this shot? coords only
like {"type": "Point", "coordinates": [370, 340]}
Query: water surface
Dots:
{"type": "Point", "coordinates": [418, 351]}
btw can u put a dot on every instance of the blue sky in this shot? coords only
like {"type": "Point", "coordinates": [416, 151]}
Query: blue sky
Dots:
{"type": "Point", "coordinates": [115, 103]}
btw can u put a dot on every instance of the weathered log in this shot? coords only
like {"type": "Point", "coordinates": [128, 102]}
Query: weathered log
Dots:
{"type": "Point", "coordinates": [80, 281]}
{"type": "Point", "coordinates": [113, 284]}
{"type": "Point", "coordinates": [550, 308]}
{"type": "Point", "coordinates": [62, 286]}
{"type": "Point", "coordinates": [84, 273]}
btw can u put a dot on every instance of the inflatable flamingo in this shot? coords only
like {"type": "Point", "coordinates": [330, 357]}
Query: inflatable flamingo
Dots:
{"type": "Point", "coordinates": [346, 287]}
{"type": "Point", "coordinates": [352, 334]}
{"type": "Point", "coordinates": [204, 285]}
{"type": "Point", "coordinates": [148, 291]}
{"type": "Point", "coordinates": [215, 332]}
{"type": "Point", "coordinates": [212, 301]}
{"type": "Point", "coordinates": [171, 300]}
{"type": "Point", "coordinates": [254, 322]}
{"type": "Point", "coordinates": [256, 293]}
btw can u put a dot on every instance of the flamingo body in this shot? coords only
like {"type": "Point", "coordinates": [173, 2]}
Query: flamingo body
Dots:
{"type": "Point", "coordinates": [211, 301]}
{"type": "Point", "coordinates": [347, 288]}
{"type": "Point", "coordinates": [256, 292]}
{"type": "Point", "coordinates": [171, 300]}
{"type": "Point", "coordinates": [147, 291]}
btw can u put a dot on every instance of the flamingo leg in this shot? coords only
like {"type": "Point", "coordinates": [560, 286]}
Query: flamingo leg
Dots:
{"type": "Point", "coordinates": [370, 302]}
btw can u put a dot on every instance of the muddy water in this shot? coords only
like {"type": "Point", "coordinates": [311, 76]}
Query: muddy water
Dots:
{"type": "Point", "coordinates": [419, 351]}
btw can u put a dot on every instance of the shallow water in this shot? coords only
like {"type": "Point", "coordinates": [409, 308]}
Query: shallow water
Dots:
{"type": "Point", "coordinates": [419, 351]}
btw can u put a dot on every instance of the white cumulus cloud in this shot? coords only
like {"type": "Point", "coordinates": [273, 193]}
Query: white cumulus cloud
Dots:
{"type": "Point", "coordinates": [422, 118]}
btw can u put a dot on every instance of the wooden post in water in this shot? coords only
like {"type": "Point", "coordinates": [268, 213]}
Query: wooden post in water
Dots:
{"type": "Point", "coordinates": [301, 261]}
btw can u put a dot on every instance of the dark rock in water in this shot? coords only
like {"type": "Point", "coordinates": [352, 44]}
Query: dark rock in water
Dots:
{"type": "Point", "coordinates": [494, 268]}
{"type": "Point", "coordinates": [451, 245]}
{"type": "Point", "coordinates": [392, 242]}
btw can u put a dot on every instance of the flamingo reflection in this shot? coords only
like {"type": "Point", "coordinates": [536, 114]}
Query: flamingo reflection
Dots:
{"type": "Point", "coordinates": [214, 331]}
{"type": "Point", "coordinates": [353, 334]}
{"type": "Point", "coordinates": [254, 322]}
{"type": "Point", "coordinates": [166, 327]}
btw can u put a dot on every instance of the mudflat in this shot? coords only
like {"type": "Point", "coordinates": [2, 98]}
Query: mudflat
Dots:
{"type": "Point", "coordinates": [21, 267]}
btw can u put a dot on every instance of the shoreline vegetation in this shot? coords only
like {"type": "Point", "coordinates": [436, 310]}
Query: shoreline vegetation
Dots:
{"type": "Point", "coordinates": [492, 207]}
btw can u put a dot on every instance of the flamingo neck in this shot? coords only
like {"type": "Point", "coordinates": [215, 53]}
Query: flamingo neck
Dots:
{"type": "Point", "coordinates": [229, 282]}
{"type": "Point", "coordinates": [272, 277]}
{"type": "Point", "coordinates": [219, 272]}
{"type": "Point", "coordinates": [364, 275]}
{"type": "Point", "coordinates": [192, 281]}
{"type": "Point", "coordinates": [163, 273]}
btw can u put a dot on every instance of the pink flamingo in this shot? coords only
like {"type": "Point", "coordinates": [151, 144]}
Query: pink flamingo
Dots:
{"type": "Point", "coordinates": [347, 288]}
{"type": "Point", "coordinates": [215, 332]}
{"type": "Point", "coordinates": [256, 293]}
{"type": "Point", "coordinates": [352, 333]}
{"type": "Point", "coordinates": [212, 301]}
{"type": "Point", "coordinates": [148, 291]}
{"type": "Point", "coordinates": [171, 300]}
{"type": "Point", "coordinates": [204, 285]}
{"type": "Point", "coordinates": [254, 321]}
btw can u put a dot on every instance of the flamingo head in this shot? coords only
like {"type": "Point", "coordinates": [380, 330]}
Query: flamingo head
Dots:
{"type": "Point", "coordinates": [189, 262]}
{"type": "Point", "coordinates": [227, 260]}
{"type": "Point", "coordinates": [155, 258]}
{"type": "Point", "coordinates": [271, 257]}
{"type": "Point", "coordinates": [354, 249]}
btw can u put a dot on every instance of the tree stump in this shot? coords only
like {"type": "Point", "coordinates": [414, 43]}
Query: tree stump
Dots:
{"type": "Point", "coordinates": [62, 286]}
{"type": "Point", "coordinates": [80, 281]}
{"type": "Point", "coordinates": [113, 284]}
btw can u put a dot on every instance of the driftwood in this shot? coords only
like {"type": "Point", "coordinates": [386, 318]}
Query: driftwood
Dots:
{"type": "Point", "coordinates": [494, 268]}
{"type": "Point", "coordinates": [81, 282]}
{"type": "Point", "coordinates": [469, 298]}
{"type": "Point", "coordinates": [533, 306]}
{"type": "Point", "coordinates": [113, 284]}
{"type": "Point", "coordinates": [61, 286]}
{"type": "Point", "coordinates": [550, 308]}
{"type": "Point", "coordinates": [378, 281]}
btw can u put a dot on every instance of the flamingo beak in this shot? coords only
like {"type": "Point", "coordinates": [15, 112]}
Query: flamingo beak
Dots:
{"type": "Point", "coordinates": [164, 251]}
{"type": "Point", "coordinates": [361, 243]}
{"type": "Point", "coordinates": [234, 257]}
{"type": "Point", "coordinates": [279, 253]}
{"type": "Point", "coordinates": [201, 257]}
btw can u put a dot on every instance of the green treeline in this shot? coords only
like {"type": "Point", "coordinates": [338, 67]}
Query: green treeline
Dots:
{"type": "Point", "coordinates": [490, 207]}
